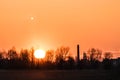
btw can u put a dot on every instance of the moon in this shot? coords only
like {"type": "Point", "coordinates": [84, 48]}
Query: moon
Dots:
{"type": "Point", "coordinates": [32, 18]}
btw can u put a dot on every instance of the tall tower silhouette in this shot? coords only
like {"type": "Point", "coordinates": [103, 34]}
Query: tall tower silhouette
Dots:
{"type": "Point", "coordinates": [78, 53]}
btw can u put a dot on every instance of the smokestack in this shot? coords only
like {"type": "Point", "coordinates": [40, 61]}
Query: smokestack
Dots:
{"type": "Point", "coordinates": [78, 52]}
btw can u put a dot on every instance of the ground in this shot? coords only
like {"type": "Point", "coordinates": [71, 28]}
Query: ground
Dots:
{"type": "Point", "coordinates": [58, 75]}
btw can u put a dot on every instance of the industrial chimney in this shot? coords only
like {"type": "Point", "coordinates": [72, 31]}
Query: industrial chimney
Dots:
{"type": "Point", "coordinates": [78, 53]}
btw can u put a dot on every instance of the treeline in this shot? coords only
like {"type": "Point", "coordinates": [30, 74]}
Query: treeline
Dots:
{"type": "Point", "coordinates": [58, 59]}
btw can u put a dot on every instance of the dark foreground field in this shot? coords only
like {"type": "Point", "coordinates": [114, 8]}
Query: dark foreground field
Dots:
{"type": "Point", "coordinates": [58, 75]}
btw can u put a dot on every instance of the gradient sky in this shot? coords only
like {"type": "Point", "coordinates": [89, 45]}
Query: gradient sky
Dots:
{"type": "Point", "coordinates": [48, 24]}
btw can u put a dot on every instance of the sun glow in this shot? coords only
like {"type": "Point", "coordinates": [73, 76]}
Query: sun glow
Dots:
{"type": "Point", "coordinates": [31, 18]}
{"type": "Point", "coordinates": [39, 54]}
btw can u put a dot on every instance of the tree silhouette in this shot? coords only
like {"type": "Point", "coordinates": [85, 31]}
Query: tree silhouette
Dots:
{"type": "Point", "coordinates": [49, 56]}
{"type": "Point", "coordinates": [70, 63]}
{"type": "Point", "coordinates": [94, 57]}
{"type": "Point", "coordinates": [32, 58]}
{"type": "Point", "coordinates": [85, 63]}
{"type": "Point", "coordinates": [107, 62]}
{"type": "Point", "coordinates": [25, 58]}
{"type": "Point", "coordinates": [61, 53]}
{"type": "Point", "coordinates": [1, 59]}
{"type": "Point", "coordinates": [24, 55]}
{"type": "Point", "coordinates": [13, 59]}
{"type": "Point", "coordinates": [12, 54]}
{"type": "Point", "coordinates": [61, 56]}
{"type": "Point", "coordinates": [59, 59]}
{"type": "Point", "coordinates": [85, 57]}
{"type": "Point", "coordinates": [49, 60]}
{"type": "Point", "coordinates": [1, 55]}
{"type": "Point", "coordinates": [94, 54]}
{"type": "Point", "coordinates": [108, 55]}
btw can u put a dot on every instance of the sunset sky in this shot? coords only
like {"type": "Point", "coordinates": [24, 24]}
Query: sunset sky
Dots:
{"type": "Point", "coordinates": [48, 24]}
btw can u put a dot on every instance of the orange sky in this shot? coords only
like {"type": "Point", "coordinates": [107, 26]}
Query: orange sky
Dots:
{"type": "Point", "coordinates": [90, 23]}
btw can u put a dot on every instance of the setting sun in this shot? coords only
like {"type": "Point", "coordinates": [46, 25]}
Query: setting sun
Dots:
{"type": "Point", "coordinates": [39, 54]}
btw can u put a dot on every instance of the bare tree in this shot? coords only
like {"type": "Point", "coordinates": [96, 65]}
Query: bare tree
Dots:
{"type": "Point", "coordinates": [24, 55]}
{"type": "Point", "coordinates": [12, 54]}
{"type": "Point", "coordinates": [99, 54]}
{"type": "Point", "coordinates": [1, 55]}
{"type": "Point", "coordinates": [49, 56]}
{"type": "Point", "coordinates": [108, 55]}
{"type": "Point", "coordinates": [61, 53]}
{"type": "Point", "coordinates": [94, 54]}
{"type": "Point", "coordinates": [107, 63]}
{"type": "Point", "coordinates": [85, 57]}
{"type": "Point", "coordinates": [32, 55]}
